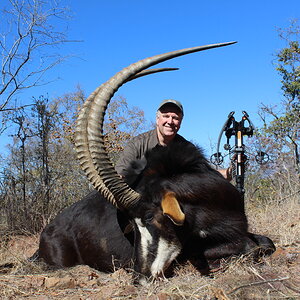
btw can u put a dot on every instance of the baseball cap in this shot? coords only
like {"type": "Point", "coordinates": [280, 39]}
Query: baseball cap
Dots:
{"type": "Point", "coordinates": [173, 102]}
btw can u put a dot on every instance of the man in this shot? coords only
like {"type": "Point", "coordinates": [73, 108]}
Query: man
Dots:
{"type": "Point", "coordinates": [168, 120]}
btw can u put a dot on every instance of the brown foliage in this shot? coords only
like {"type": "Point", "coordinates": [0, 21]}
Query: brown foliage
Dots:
{"type": "Point", "coordinates": [42, 175]}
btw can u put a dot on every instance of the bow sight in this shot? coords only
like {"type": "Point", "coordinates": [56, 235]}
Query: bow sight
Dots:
{"type": "Point", "coordinates": [237, 152]}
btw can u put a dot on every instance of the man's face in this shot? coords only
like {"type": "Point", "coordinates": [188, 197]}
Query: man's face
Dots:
{"type": "Point", "coordinates": [168, 121]}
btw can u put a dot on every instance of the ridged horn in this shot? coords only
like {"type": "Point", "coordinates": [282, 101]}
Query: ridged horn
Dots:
{"type": "Point", "coordinates": [89, 141]}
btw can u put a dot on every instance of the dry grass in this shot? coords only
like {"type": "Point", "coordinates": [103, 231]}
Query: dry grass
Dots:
{"type": "Point", "coordinates": [275, 277]}
{"type": "Point", "coordinates": [280, 221]}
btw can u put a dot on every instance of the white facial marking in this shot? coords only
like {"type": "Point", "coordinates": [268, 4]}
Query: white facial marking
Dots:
{"type": "Point", "coordinates": [146, 240]}
{"type": "Point", "coordinates": [166, 253]}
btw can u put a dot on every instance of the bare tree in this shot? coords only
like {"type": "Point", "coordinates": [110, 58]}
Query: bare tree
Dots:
{"type": "Point", "coordinates": [23, 134]}
{"type": "Point", "coordinates": [31, 35]}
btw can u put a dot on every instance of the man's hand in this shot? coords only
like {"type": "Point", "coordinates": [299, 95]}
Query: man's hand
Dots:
{"type": "Point", "coordinates": [227, 173]}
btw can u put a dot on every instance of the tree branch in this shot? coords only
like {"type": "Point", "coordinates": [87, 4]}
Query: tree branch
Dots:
{"type": "Point", "coordinates": [29, 37]}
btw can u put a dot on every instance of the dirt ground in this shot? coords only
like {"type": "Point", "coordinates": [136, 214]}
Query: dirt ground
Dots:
{"type": "Point", "coordinates": [275, 277]}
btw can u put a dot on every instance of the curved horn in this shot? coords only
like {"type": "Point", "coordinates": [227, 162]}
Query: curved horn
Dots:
{"type": "Point", "coordinates": [89, 140]}
{"type": "Point", "coordinates": [150, 71]}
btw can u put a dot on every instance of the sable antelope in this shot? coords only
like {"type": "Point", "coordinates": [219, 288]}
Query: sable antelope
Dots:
{"type": "Point", "coordinates": [180, 207]}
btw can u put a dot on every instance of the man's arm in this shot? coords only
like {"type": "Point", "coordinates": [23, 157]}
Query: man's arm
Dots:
{"type": "Point", "coordinates": [128, 155]}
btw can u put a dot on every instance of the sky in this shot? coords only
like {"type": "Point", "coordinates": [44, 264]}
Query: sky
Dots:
{"type": "Point", "coordinates": [209, 84]}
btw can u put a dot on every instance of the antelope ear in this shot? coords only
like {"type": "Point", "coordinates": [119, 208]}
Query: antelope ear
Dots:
{"type": "Point", "coordinates": [171, 208]}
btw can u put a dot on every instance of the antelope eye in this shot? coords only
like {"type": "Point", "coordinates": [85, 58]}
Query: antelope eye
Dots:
{"type": "Point", "coordinates": [148, 217]}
